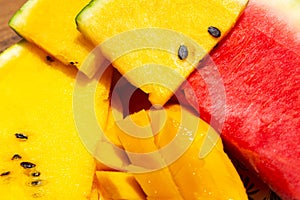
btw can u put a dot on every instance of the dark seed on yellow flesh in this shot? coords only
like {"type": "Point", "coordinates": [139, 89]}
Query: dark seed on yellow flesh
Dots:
{"type": "Point", "coordinates": [36, 183]}
{"type": "Point", "coordinates": [21, 136]}
{"type": "Point", "coordinates": [16, 157]}
{"type": "Point", "coordinates": [183, 52]}
{"type": "Point", "coordinates": [27, 165]}
{"type": "Point", "coordinates": [214, 31]}
{"type": "Point", "coordinates": [5, 173]}
{"type": "Point", "coordinates": [35, 174]}
{"type": "Point", "coordinates": [49, 58]}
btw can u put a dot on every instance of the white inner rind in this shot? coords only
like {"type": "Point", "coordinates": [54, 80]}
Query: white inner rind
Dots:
{"type": "Point", "coordinates": [9, 54]}
{"type": "Point", "coordinates": [287, 10]}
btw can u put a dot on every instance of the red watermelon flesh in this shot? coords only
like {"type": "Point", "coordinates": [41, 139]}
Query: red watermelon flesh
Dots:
{"type": "Point", "coordinates": [259, 64]}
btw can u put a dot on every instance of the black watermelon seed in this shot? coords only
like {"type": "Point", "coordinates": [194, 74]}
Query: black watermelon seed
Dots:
{"type": "Point", "coordinates": [36, 183]}
{"type": "Point", "coordinates": [27, 165]}
{"type": "Point", "coordinates": [213, 31]}
{"type": "Point", "coordinates": [16, 157]}
{"type": "Point", "coordinates": [21, 136]}
{"type": "Point", "coordinates": [5, 173]}
{"type": "Point", "coordinates": [73, 63]}
{"type": "Point", "coordinates": [183, 52]}
{"type": "Point", "coordinates": [35, 174]}
{"type": "Point", "coordinates": [49, 58]}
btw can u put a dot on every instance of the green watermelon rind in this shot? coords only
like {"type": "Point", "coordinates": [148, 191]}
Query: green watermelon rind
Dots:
{"type": "Point", "coordinates": [78, 17]}
{"type": "Point", "coordinates": [21, 15]}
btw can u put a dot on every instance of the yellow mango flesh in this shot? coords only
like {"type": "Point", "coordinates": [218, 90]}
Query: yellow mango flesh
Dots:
{"type": "Point", "coordinates": [50, 24]}
{"type": "Point", "coordinates": [186, 177]}
{"type": "Point", "coordinates": [191, 18]}
{"type": "Point", "coordinates": [119, 185]}
{"type": "Point", "coordinates": [36, 99]}
{"type": "Point", "coordinates": [213, 177]}
{"type": "Point", "coordinates": [107, 157]}
{"type": "Point", "coordinates": [95, 191]}
{"type": "Point", "coordinates": [151, 182]}
{"type": "Point", "coordinates": [94, 195]}
{"type": "Point", "coordinates": [111, 136]}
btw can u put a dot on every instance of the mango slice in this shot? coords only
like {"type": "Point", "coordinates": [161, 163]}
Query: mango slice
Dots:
{"type": "Point", "coordinates": [109, 155]}
{"type": "Point", "coordinates": [151, 182]}
{"type": "Point", "coordinates": [213, 177]}
{"type": "Point", "coordinates": [157, 44]}
{"type": "Point", "coordinates": [95, 195]}
{"type": "Point", "coordinates": [119, 185]}
{"type": "Point", "coordinates": [164, 152]}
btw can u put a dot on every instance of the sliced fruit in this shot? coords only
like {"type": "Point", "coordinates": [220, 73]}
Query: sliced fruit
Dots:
{"type": "Point", "coordinates": [51, 25]}
{"type": "Point", "coordinates": [259, 65]}
{"type": "Point", "coordinates": [138, 148]}
{"type": "Point", "coordinates": [111, 137]}
{"type": "Point", "coordinates": [110, 155]}
{"type": "Point", "coordinates": [156, 44]}
{"type": "Point", "coordinates": [41, 151]}
{"type": "Point", "coordinates": [119, 185]}
{"type": "Point", "coordinates": [212, 177]}
{"type": "Point", "coordinates": [95, 193]}
{"type": "Point", "coordinates": [176, 171]}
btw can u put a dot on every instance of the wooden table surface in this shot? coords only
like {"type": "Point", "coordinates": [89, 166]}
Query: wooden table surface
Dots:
{"type": "Point", "coordinates": [7, 35]}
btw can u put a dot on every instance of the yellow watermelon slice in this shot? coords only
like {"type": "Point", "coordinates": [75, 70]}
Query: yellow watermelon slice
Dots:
{"type": "Point", "coordinates": [50, 24]}
{"type": "Point", "coordinates": [157, 44]}
{"type": "Point", "coordinates": [42, 156]}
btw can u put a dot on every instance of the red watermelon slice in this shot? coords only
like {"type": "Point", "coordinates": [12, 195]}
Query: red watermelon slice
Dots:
{"type": "Point", "coordinates": [259, 65]}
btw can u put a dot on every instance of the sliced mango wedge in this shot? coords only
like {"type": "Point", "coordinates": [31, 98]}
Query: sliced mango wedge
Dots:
{"type": "Point", "coordinates": [119, 185]}
{"type": "Point", "coordinates": [138, 147]}
{"type": "Point", "coordinates": [213, 177]}
{"type": "Point", "coordinates": [164, 156]}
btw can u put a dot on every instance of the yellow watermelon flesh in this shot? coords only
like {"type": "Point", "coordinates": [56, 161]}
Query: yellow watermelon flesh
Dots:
{"type": "Point", "coordinates": [47, 158]}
